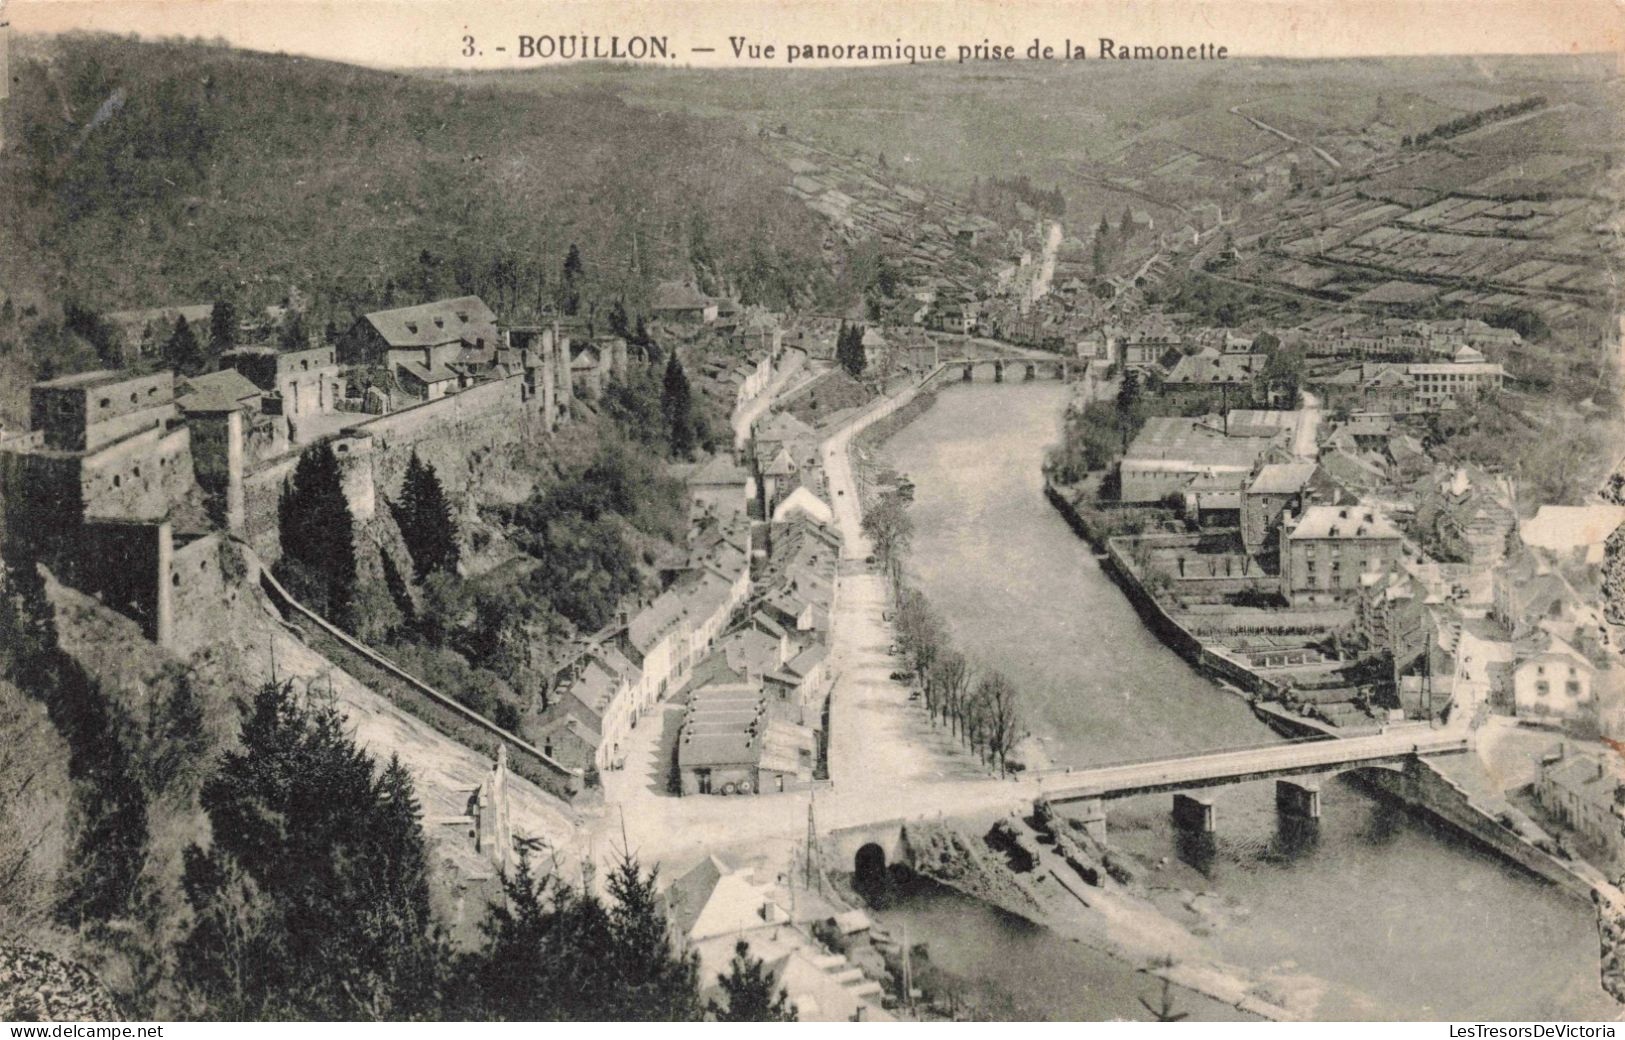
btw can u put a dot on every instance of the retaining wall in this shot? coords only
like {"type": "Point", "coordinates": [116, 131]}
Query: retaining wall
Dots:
{"type": "Point", "coordinates": [1422, 786]}
{"type": "Point", "coordinates": [461, 724]}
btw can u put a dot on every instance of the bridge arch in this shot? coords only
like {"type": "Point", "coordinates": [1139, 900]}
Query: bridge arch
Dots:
{"type": "Point", "coordinates": [869, 865]}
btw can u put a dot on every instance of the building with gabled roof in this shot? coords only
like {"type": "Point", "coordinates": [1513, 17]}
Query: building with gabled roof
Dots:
{"type": "Point", "coordinates": [442, 326]}
{"type": "Point", "coordinates": [1327, 549]}
{"type": "Point", "coordinates": [1586, 792]}
{"type": "Point", "coordinates": [682, 302]}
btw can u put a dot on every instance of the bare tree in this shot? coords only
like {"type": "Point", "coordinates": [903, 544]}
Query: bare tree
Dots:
{"type": "Point", "coordinates": [1000, 706]}
{"type": "Point", "coordinates": [888, 525]}
{"type": "Point", "coordinates": [956, 684]}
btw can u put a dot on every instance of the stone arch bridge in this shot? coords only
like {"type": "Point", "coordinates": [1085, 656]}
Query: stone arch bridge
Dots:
{"type": "Point", "coordinates": [1011, 370]}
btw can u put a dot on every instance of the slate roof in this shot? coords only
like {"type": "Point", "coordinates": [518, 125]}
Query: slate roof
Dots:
{"type": "Point", "coordinates": [222, 391]}
{"type": "Point", "coordinates": [430, 324]}
{"type": "Point", "coordinates": [1350, 522]}
{"type": "Point", "coordinates": [1282, 478]}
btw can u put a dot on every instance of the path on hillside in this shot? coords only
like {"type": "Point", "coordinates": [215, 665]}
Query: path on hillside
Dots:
{"type": "Point", "coordinates": [1045, 274]}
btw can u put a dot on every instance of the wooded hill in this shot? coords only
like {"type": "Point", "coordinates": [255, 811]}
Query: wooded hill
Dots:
{"type": "Point", "coordinates": [144, 174]}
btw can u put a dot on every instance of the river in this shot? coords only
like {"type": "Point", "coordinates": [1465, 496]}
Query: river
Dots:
{"type": "Point", "coordinates": [1377, 915]}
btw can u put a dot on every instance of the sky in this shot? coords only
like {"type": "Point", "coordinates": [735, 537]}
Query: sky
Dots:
{"type": "Point", "coordinates": [432, 33]}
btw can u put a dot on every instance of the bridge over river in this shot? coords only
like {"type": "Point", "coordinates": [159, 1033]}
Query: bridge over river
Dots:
{"type": "Point", "coordinates": [1085, 792]}
{"type": "Point", "coordinates": [1012, 369]}
{"type": "Point", "coordinates": [1090, 789]}
{"type": "Point", "coordinates": [1210, 769]}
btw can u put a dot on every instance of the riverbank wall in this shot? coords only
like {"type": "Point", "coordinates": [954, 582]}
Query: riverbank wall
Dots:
{"type": "Point", "coordinates": [1234, 675]}
{"type": "Point", "coordinates": [1421, 786]}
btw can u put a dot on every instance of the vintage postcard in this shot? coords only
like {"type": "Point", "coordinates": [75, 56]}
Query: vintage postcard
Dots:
{"type": "Point", "coordinates": [826, 511]}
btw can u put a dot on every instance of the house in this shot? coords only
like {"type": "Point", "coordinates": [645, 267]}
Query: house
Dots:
{"type": "Point", "coordinates": [1389, 392]}
{"type": "Point", "coordinates": [1145, 345]}
{"type": "Point", "coordinates": [1528, 595]}
{"type": "Point", "coordinates": [1470, 515]}
{"type": "Point", "coordinates": [1209, 368]}
{"type": "Point", "coordinates": [425, 380]}
{"type": "Point", "coordinates": [681, 303]}
{"type": "Point", "coordinates": [957, 316]}
{"type": "Point", "coordinates": [296, 382]}
{"type": "Point", "coordinates": [1328, 548]}
{"type": "Point", "coordinates": [1393, 617]}
{"type": "Point", "coordinates": [1169, 452]}
{"type": "Point", "coordinates": [595, 705]}
{"type": "Point", "coordinates": [589, 370]}
{"type": "Point", "coordinates": [731, 744]}
{"type": "Point", "coordinates": [443, 328]}
{"type": "Point", "coordinates": [1277, 488]}
{"type": "Point", "coordinates": [1585, 792]}
{"type": "Point", "coordinates": [212, 391]}
{"type": "Point", "coordinates": [719, 488]}
{"type": "Point", "coordinates": [1095, 345]}
{"type": "Point", "coordinates": [1446, 385]}
{"type": "Point", "coordinates": [802, 501]}
{"type": "Point", "coordinates": [1213, 499]}
{"type": "Point", "coordinates": [1551, 679]}
{"type": "Point", "coordinates": [716, 906]}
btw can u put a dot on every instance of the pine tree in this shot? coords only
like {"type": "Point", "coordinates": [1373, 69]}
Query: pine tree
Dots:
{"type": "Point", "coordinates": [573, 270]}
{"type": "Point", "coordinates": [87, 324]}
{"type": "Point", "coordinates": [292, 336]}
{"type": "Point", "coordinates": [426, 521]}
{"type": "Point", "coordinates": [1126, 228]}
{"type": "Point", "coordinates": [182, 352]}
{"type": "Point", "coordinates": [656, 984]}
{"type": "Point", "coordinates": [749, 988]}
{"type": "Point", "coordinates": [619, 323]}
{"type": "Point", "coordinates": [222, 327]}
{"type": "Point", "coordinates": [557, 952]}
{"type": "Point", "coordinates": [677, 405]}
{"type": "Point", "coordinates": [312, 901]}
{"type": "Point", "coordinates": [317, 533]}
{"type": "Point", "coordinates": [849, 349]}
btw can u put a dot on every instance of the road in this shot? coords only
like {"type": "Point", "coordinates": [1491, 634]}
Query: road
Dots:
{"type": "Point", "coordinates": [1320, 152]}
{"type": "Point", "coordinates": [1305, 444]}
{"type": "Point", "coordinates": [792, 362]}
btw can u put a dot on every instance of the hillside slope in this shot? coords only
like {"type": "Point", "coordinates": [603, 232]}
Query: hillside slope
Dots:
{"type": "Point", "coordinates": [154, 173]}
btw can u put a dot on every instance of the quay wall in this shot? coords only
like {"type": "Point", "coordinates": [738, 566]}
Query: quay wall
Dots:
{"type": "Point", "coordinates": [1422, 786]}
{"type": "Point", "coordinates": [1115, 562]}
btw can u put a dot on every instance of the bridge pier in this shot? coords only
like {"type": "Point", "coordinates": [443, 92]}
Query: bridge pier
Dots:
{"type": "Point", "coordinates": [1297, 801]}
{"type": "Point", "coordinates": [1194, 813]}
{"type": "Point", "coordinates": [998, 371]}
{"type": "Point", "coordinates": [966, 376]}
{"type": "Point", "coordinates": [1091, 812]}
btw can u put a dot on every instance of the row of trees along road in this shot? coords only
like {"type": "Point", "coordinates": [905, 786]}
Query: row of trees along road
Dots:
{"type": "Point", "coordinates": [981, 707]}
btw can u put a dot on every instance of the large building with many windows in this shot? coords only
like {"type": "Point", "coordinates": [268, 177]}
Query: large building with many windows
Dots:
{"type": "Point", "coordinates": [1326, 551]}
